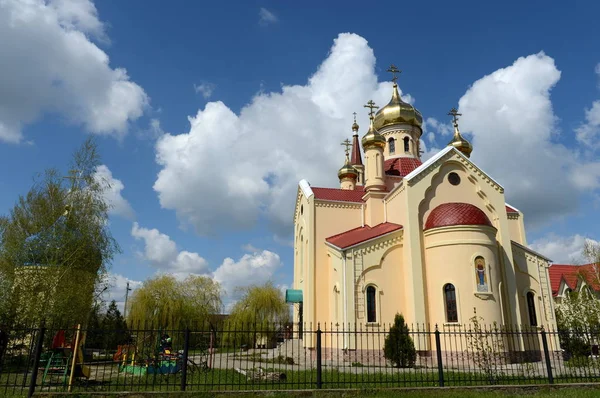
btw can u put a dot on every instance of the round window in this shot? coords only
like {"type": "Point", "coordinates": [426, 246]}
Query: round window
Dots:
{"type": "Point", "coordinates": [454, 178]}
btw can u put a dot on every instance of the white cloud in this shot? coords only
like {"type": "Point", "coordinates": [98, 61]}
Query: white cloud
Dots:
{"type": "Point", "coordinates": [266, 17]}
{"type": "Point", "coordinates": [230, 169]}
{"type": "Point", "coordinates": [589, 132]}
{"type": "Point", "coordinates": [119, 205]}
{"type": "Point", "coordinates": [562, 249]}
{"type": "Point", "coordinates": [50, 65]}
{"type": "Point", "coordinates": [433, 125]}
{"type": "Point", "coordinates": [251, 269]}
{"type": "Point", "coordinates": [117, 287]}
{"type": "Point", "coordinates": [249, 248]}
{"type": "Point", "coordinates": [206, 89]}
{"type": "Point", "coordinates": [162, 253]}
{"type": "Point", "coordinates": [510, 116]}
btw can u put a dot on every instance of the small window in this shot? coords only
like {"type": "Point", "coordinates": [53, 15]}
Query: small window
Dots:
{"type": "Point", "coordinates": [531, 309]}
{"type": "Point", "coordinates": [392, 146]}
{"type": "Point", "coordinates": [450, 303]}
{"type": "Point", "coordinates": [371, 304]}
{"type": "Point", "coordinates": [453, 178]}
{"type": "Point", "coordinates": [301, 209]}
{"type": "Point", "coordinates": [406, 144]}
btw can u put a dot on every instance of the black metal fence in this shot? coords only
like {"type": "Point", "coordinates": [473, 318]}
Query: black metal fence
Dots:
{"type": "Point", "coordinates": [267, 356]}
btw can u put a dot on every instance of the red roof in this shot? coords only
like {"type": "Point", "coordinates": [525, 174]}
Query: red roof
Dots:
{"type": "Point", "coordinates": [361, 234]}
{"type": "Point", "coordinates": [340, 195]}
{"type": "Point", "coordinates": [355, 159]}
{"type": "Point", "coordinates": [571, 274]}
{"type": "Point", "coordinates": [456, 214]}
{"type": "Point", "coordinates": [510, 209]}
{"type": "Point", "coordinates": [400, 166]}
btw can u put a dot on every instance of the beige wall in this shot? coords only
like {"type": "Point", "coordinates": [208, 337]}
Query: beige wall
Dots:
{"type": "Point", "coordinates": [398, 133]}
{"type": "Point", "coordinates": [450, 254]}
{"type": "Point", "coordinates": [516, 228]}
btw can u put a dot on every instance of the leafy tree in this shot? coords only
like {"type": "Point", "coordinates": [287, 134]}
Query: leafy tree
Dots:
{"type": "Point", "coordinates": [55, 244]}
{"type": "Point", "coordinates": [259, 314]}
{"type": "Point", "coordinates": [399, 347]}
{"type": "Point", "coordinates": [114, 327]}
{"type": "Point", "coordinates": [166, 303]}
{"type": "Point", "coordinates": [94, 334]}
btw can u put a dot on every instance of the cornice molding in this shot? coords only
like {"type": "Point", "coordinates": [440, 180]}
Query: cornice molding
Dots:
{"type": "Point", "coordinates": [375, 245]}
{"type": "Point", "coordinates": [337, 204]}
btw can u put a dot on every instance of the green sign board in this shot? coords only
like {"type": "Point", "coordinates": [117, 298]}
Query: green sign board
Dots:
{"type": "Point", "coordinates": [293, 296]}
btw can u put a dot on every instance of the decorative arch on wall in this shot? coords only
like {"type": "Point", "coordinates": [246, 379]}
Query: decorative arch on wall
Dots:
{"type": "Point", "coordinates": [481, 268]}
{"type": "Point", "coordinates": [438, 179]}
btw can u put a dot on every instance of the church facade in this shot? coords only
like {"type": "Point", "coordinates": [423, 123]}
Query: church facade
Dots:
{"type": "Point", "coordinates": [434, 241]}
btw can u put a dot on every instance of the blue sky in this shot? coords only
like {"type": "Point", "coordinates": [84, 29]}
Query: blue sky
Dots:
{"type": "Point", "coordinates": [270, 88]}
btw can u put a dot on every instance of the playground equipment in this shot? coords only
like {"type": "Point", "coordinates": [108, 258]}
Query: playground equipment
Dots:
{"type": "Point", "coordinates": [164, 361]}
{"type": "Point", "coordinates": [64, 359]}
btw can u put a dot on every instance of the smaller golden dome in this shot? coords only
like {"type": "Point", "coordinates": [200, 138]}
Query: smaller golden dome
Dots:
{"type": "Point", "coordinates": [355, 126]}
{"type": "Point", "coordinates": [372, 139]}
{"type": "Point", "coordinates": [460, 143]}
{"type": "Point", "coordinates": [397, 112]}
{"type": "Point", "coordinates": [347, 171]}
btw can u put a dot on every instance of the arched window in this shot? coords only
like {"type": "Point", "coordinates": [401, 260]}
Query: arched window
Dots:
{"type": "Point", "coordinates": [450, 303]}
{"type": "Point", "coordinates": [531, 309]}
{"type": "Point", "coordinates": [371, 304]}
{"type": "Point", "coordinates": [392, 146]}
{"type": "Point", "coordinates": [406, 144]}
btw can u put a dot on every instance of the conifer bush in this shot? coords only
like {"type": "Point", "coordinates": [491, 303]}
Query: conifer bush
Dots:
{"type": "Point", "coordinates": [399, 348]}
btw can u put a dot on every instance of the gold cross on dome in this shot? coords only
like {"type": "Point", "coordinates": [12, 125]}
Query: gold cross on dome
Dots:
{"type": "Point", "coordinates": [354, 113]}
{"type": "Point", "coordinates": [371, 105]}
{"type": "Point", "coordinates": [393, 70]}
{"type": "Point", "coordinates": [347, 144]}
{"type": "Point", "coordinates": [454, 113]}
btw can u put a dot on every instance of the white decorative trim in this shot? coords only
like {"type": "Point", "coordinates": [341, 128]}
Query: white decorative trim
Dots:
{"type": "Point", "coordinates": [305, 187]}
{"type": "Point", "coordinates": [443, 155]}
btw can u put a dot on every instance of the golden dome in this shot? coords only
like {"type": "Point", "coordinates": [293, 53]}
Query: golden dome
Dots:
{"type": "Point", "coordinates": [460, 143]}
{"type": "Point", "coordinates": [372, 138]}
{"type": "Point", "coordinates": [396, 112]}
{"type": "Point", "coordinates": [347, 171]}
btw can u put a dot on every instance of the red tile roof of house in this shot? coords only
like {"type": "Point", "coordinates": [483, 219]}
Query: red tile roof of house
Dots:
{"type": "Point", "coordinates": [571, 274]}
{"type": "Point", "coordinates": [340, 195]}
{"type": "Point", "coordinates": [400, 166]}
{"type": "Point", "coordinates": [362, 234]}
{"type": "Point", "coordinates": [448, 214]}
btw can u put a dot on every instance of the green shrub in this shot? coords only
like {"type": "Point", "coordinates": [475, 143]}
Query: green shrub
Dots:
{"type": "Point", "coordinates": [399, 348]}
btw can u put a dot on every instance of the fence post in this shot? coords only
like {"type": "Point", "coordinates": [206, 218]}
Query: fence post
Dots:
{"type": "Point", "coordinates": [438, 349]}
{"type": "Point", "coordinates": [186, 348]}
{"type": "Point", "coordinates": [319, 367]}
{"type": "Point", "coordinates": [36, 360]}
{"type": "Point", "coordinates": [547, 356]}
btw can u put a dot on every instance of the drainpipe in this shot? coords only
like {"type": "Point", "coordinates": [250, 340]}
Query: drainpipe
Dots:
{"type": "Point", "coordinates": [345, 301]}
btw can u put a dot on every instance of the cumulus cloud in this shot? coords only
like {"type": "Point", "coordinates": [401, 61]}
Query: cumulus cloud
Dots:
{"type": "Point", "coordinates": [112, 194]}
{"type": "Point", "coordinates": [230, 169]}
{"type": "Point", "coordinates": [562, 249]}
{"type": "Point", "coordinates": [266, 17]}
{"type": "Point", "coordinates": [117, 286]}
{"type": "Point", "coordinates": [589, 131]}
{"type": "Point", "coordinates": [51, 65]}
{"type": "Point", "coordinates": [510, 117]}
{"type": "Point", "coordinates": [206, 89]}
{"type": "Point", "coordinates": [162, 253]}
{"type": "Point", "coordinates": [250, 269]}
{"type": "Point", "coordinates": [249, 248]}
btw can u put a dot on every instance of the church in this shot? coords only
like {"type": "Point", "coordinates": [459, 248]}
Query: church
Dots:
{"type": "Point", "coordinates": [434, 241]}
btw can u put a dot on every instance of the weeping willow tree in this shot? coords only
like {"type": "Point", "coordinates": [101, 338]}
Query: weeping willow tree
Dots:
{"type": "Point", "coordinates": [55, 244]}
{"type": "Point", "coordinates": [257, 316]}
{"type": "Point", "coordinates": [164, 302]}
